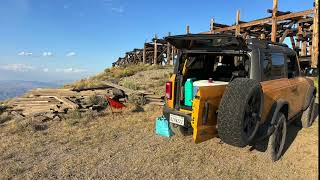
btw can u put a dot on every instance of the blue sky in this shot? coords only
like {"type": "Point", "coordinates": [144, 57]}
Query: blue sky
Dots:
{"type": "Point", "coordinates": [48, 40]}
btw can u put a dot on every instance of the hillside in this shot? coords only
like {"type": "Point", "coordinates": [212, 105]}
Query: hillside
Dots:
{"type": "Point", "coordinates": [10, 89]}
{"type": "Point", "coordinates": [122, 144]}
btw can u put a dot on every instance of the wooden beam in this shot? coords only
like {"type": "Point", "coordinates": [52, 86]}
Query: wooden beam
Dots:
{"type": "Point", "coordinates": [169, 60]}
{"type": "Point", "coordinates": [211, 24]}
{"type": "Point", "coordinates": [155, 50]}
{"type": "Point", "coordinates": [264, 21]}
{"type": "Point", "coordinates": [144, 56]}
{"type": "Point", "coordinates": [237, 23]}
{"type": "Point", "coordinates": [286, 32]}
{"type": "Point", "coordinates": [304, 45]}
{"type": "Point", "coordinates": [274, 21]}
{"type": "Point", "coordinates": [292, 42]}
{"type": "Point", "coordinates": [294, 15]}
{"type": "Point", "coordinates": [188, 29]}
{"type": "Point", "coordinates": [315, 36]}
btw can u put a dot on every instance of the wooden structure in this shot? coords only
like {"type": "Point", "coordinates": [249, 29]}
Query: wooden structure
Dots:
{"type": "Point", "coordinates": [302, 28]}
{"type": "Point", "coordinates": [158, 51]}
{"type": "Point", "coordinates": [51, 103]}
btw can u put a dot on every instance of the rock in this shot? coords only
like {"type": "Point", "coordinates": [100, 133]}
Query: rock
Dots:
{"type": "Point", "coordinates": [57, 118]}
{"type": "Point", "coordinates": [40, 119]}
{"type": "Point", "coordinates": [17, 115]}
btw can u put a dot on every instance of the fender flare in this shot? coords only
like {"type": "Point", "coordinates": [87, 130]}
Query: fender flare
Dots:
{"type": "Point", "coordinates": [278, 105]}
{"type": "Point", "coordinates": [271, 118]}
{"type": "Point", "coordinates": [275, 109]}
{"type": "Point", "coordinates": [309, 95]}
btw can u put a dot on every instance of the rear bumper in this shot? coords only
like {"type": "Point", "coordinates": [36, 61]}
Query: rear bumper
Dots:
{"type": "Point", "coordinates": [167, 111]}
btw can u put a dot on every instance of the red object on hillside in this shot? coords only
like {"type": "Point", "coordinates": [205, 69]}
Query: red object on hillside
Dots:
{"type": "Point", "coordinates": [115, 104]}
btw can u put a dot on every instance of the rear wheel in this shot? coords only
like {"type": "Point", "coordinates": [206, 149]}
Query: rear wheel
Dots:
{"type": "Point", "coordinates": [180, 130]}
{"type": "Point", "coordinates": [239, 112]}
{"type": "Point", "coordinates": [278, 137]}
{"type": "Point", "coordinates": [306, 119]}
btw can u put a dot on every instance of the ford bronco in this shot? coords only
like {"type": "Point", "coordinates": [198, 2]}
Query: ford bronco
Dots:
{"type": "Point", "coordinates": [238, 90]}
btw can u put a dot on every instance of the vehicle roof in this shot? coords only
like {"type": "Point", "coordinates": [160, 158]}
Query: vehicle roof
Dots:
{"type": "Point", "coordinates": [217, 42]}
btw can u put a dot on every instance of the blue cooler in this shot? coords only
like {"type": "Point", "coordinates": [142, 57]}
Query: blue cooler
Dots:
{"type": "Point", "coordinates": [162, 127]}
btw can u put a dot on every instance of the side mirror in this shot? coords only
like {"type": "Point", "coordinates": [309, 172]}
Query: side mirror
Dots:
{"type": "Point", "coordinates": [312, 72]}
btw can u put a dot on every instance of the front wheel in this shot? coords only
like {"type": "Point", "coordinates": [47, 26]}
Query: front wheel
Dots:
{"type": "Point", "coordinates": [306, 119]}
{"type": "Point", "coordinates": [278, 137]}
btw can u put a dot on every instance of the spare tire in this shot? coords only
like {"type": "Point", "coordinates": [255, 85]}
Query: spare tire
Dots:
{"type": "Point", "coordinates": [239, 112]}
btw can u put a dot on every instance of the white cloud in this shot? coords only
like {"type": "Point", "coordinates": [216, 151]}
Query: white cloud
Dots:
{"type": "Point", "coordinates": [47, 54]}
{"type": "Point", "coordinates": [118, 9]}
{"type": "Point", "coordinates": [72, 70]}
{"type": "Point", "coordinates": [23, 53]}
{"type": "Point", "coordinates": [69, 54]}
{"type": "Point", "coordinates": [45, 70]}
{"type": "Point", "coordinates": [17, 67]}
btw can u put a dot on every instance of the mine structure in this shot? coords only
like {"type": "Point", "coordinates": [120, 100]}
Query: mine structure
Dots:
{"type": "Point", "coordinates": [301, 27]}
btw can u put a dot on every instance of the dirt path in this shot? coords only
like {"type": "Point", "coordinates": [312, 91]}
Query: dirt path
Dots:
{"type": "Point", "coordinates": [126, 147]}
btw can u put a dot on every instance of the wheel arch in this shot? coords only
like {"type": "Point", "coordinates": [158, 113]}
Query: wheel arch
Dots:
{"type": "Point", "coordinates": [280, 105]}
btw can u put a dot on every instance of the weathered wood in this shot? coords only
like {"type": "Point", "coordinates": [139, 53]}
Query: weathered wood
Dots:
{"type": "Point", "coordinates": [274, 21]}
{"type": "Point", "coordinates": [155, 52]}
{"type": "Point", "coordinates": [237, 23]}
{"type": "Point", "coordinates": [315, 36]}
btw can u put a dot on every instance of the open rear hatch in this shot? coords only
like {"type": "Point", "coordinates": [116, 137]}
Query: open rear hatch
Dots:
{"type": "Point", "coordinates": [202, 57]}
{"type": "Point", "coordinates": [207, 42]}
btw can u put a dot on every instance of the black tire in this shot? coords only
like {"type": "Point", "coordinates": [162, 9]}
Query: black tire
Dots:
{"type": "Point", "coordinates": [239, 112]}
{"type": "Point", "coordinates": [306, 119]}
{"type": "Point", "coordinates": [180, 130]}
{"type": "Point", "coordinates": [278, 138]}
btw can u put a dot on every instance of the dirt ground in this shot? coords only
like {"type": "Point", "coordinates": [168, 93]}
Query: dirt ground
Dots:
{"type": "Point", "coordinates": [125, 146]}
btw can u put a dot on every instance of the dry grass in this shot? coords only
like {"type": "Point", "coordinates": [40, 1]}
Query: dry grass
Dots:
{"type": "Point", "coordinates": [114, 74]}
{"type": "Point", "coordinates": [124, 146]}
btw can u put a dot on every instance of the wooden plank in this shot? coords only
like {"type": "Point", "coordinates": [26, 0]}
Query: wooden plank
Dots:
{"type": "Point", "coordinates": [294, 15]}
{"type": "Point", "coordinates": [315, 36]}
{"type": "Point", "coordinates": [67, 102]}
{"type": "Point", "coordinates": [156, 103]}
{"type": "Point", "coordinates": [126, 90]}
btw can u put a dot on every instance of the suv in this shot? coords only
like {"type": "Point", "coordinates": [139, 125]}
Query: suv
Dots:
{"type": "Point", "coordinates": [241, 91]}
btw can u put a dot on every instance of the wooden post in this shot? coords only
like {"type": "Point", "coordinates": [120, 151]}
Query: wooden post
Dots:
{"type": "Point", "coordinates": [169, 60]}
{"type": "Point", "coordinates": [274, 21]}
{"type": "Point", "coordinates": [211, 25]}
{"type": "Point", "coordinates": [144, 57]}
{"type": "Point", "coordinates": [292, 42]}
{"type": "Point", "coordinates": [155, 50]}
{"type": "Point", "coordinates": [315, 35]}
{"type": "Point", "coordinates": [237, 23]}
{"type": "Point", "coordinates": [304, 44]}
{"type": "Point", "coordinates": [188, 29]}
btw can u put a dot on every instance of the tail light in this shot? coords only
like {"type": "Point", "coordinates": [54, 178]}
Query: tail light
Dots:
{"type": "Point", "coordinates": [169, 89]}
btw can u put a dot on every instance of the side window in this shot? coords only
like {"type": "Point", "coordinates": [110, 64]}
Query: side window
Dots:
{"type": "Point", "coordinates": [267, 66]}
{"type": "Point", "coordinates": [293, 68]}
{"type": "Point", "coordinates": [277, 68]}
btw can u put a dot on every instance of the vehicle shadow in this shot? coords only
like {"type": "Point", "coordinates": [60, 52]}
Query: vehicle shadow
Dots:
{"type": "Point", "coordinates": [292, 132]}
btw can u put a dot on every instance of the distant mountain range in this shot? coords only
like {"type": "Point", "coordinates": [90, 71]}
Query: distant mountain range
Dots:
{"type": "Point", "coordinates": [14, 88]}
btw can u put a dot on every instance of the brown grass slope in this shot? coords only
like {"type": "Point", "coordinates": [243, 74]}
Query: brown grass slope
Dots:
{"type": "Point", "coordinates": [122, 144]}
